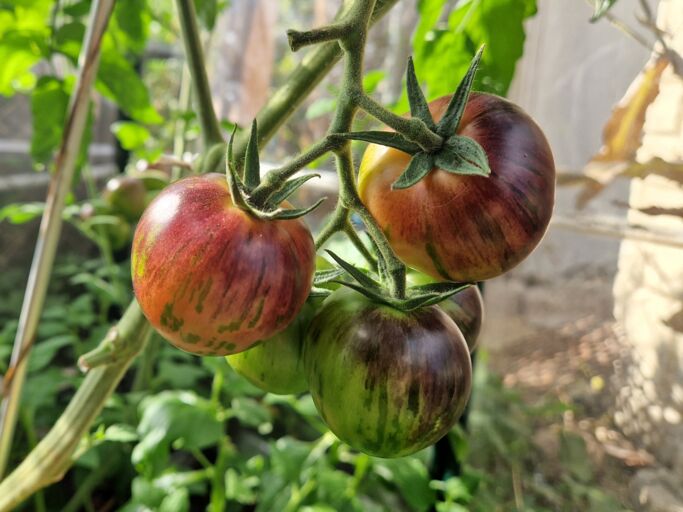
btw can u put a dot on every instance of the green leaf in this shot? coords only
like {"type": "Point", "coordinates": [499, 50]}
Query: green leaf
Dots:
{"type": "Point", "coordinates": [252, 169]}
{"type": "Point", "coordinates": [120, 433]}
{"type": "Point", "coordinates": [443, 52]}
{"type": "Point", "coordinates": [68, 39]}
{"type": "Point", "coordinates": [390, 139]}
{"type": "Point", "coordinates": [462, 155]}
{"type": "Point", "coordinates": [411, 477]}
{"type": "Point", "coordinates": [451, 118]}
{"type": "Point", "coordinates": [418, 168]}
{"type": "Point", "coordinates": [372, 79]}
{"type": "Point", "coordinates": [574, 456]}
{"type": "Point", "coordinates": [239, 488]}
{"type": "Point", "coordinates": [320, 107]}
{"type": "Point", "coordinates": [176, 501]}
{"type": "Point", "coordinates": [206, 12]}
{"type": "Point", "coordinates": [44, 351]}
{"type": "Point", "coordinates": [131, 135]}
{"type": "Point", "coordinates": [49, 102]}
{"type": "Point", "coordinates": [293, 213]}
{"type": "Point", "coordinates": [601, 8]}
{"type": "Point", "coordinates": [118, 81]}
{"type": "Point", "coordinates": [250, 412]}
{"type": "Point", "coordinates": [132, 20]}
{"type": "Point", "coordinates": [20, 213]}
{"type": "Point", "coordinates": [287, 456]}
{"type": "Point", "coordinates": [325, 276]}
{"type": "Point", "coordinates": [416, 99]}
{"type": "Point", "coordinates": [20, 50]}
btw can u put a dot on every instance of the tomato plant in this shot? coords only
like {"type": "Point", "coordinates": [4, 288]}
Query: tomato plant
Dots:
{"type": "Point", "coordinates": [127, 196]}
{"type": "Point", "coordinates": [213, 279]}
{"type": "Point", "coordinates": [387, 382]}
{"type": "Point", "coordinates": [461, 227]}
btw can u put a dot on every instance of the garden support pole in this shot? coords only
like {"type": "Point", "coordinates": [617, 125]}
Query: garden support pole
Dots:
{"type": "Point", "coordinates": [51, 224]}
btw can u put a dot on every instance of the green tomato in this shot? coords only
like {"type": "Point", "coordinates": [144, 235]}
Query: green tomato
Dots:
{"type": "Point", "coordinates": [386, 382]}
{"type": "Point", "coordinates": [275, 364]}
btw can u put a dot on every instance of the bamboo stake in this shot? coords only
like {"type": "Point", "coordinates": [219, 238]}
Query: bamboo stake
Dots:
{"type": "Point", "coordinates": [51, 225]}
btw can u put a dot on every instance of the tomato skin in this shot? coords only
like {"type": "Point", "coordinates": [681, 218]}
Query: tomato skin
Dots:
{"type": "Point", "coordinates": [275, 365]}
{"type": "Point", "coordinates": [466, 309]}
{"type": "Point", "coordinates": [387, 383]}
{"type": "Point", "coordinates": [467, 228]}
{"type": "Point", "coordinates": [213, 279]}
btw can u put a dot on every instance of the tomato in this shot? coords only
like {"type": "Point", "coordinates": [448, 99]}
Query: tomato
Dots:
{"type": "Point", "coordinates": [127, 196]}
{"type": "Point", "coordinates": [386, 382]}
{"type": "Point", "coordinates": [275, 365]}
{"type": "Point", "coordinates": [210, 277]}
{"type": "Point", "coordinates": [466, 308]}
{"type": "Point", "coordinates": [467, 228]}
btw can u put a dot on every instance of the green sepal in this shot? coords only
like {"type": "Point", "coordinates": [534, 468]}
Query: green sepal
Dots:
{"type": "Point", "coordinates": [291, 213]}
{"type": "Point", "coordinates": [451, 119]}
{"type": "Point", "coordinates": [418, 168]}
{"type": "Point", "coordinates": [252, 170]}
{"type": "Point", "coordinates": [319, 292]}
{"type": "Point", "coordinates": [363, 279]}
{"type": "Point", "coordinates": [418, 104]}
{"type": "Point", "coordinates": [326, 276]}
{"type": "Point", "coordinates": [289, 187]}
{"type": "Point", "coordinates": [601, 8]}
{"type": "Point", "coordinates": [375, 295]}
{"type": "Point", "coordinates": [390, 139]}
{"type": "Point", "coordinates": [235, 185]}
{"type": "Point", "coordinates": [462, 155]}
{"type": "Point", "coordinates": [448, 287]}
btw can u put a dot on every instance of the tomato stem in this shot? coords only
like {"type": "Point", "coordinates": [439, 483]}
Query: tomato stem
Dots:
{"type": "Point", "coordinates": [211, 133]}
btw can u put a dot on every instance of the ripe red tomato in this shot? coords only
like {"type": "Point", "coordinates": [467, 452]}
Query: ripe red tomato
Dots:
{"type": "Point", "coordinates": [467, 228]}
{"type": "Point", "coordinates": [386, 382]}
{"type": "Point", "coordinates": [213, 279]}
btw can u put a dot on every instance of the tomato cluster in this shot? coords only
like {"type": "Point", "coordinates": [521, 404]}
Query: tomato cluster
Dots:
{"type": "Point", "coordinates": [215, 279]}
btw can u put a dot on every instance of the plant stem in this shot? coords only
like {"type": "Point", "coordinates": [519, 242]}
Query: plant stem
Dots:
{"type": "Point", "coordinates": [211, 132]}
{"type": "Point", "coordinates": [51, 224]}
{"type": "Point", "coordinates": [52, 457]}
{"type": "Point", "coordinates": [413, 129]}
{"type": "Point", "coordinates": [87, 486]}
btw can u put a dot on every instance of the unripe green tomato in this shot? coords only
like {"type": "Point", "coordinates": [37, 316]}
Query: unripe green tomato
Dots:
{"type": "Point", "coordinates": [127, 196]}
{"type": "Point", "coordinates": [275, 364]}
{"type": "Point", "coordinates": [119, 233]}
{"type": "Point", "coordinates": [153, 180]}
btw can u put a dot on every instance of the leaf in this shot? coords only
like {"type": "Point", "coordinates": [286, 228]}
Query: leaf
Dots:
{"type": "Point", "coordinates": [623, 131]}
{"type": "Point", "coordinates": [20, 50]}
{"type": "Point", "coordinates": [463, 155]}
{"type": "Point", "coordinates": [118, 81]}
{"type": "Point", "coordinates": [131, 135]}
{"type": "Point", "coordinates": [443, 53]}
{"type": "Point", "coordinates": [320, 107]}
{"type": "Point", "coordinates": [293, 213]}
{"type": "Point", "coordinates": [49, 102]}
{"type": "Point", "coordinates": [451, 118]}
{"type": "Point", "coordinates": [418, 168]}
{"type": "Point", "coordinates": [68, 39]}
{"type": "Point", "coordinates": [44, 351]}
{"type": "Point", "coordinates": [390, 139]}
{"type": "Point", "coordinates": [574, 456]}
{"type": "Point", "coordinates": [601, 8]}
{"type": "Point", "coordinates": [411, 477]}
{"type": "Point", "coordinates": [372, 79]}
{"type": "Point", "coordinates": [416, 99]}
{"type": "Point", "coordinates": [132, 21]}
{"type": "Point", "coordinates": [206, 13]}
{"type": "Point", "coordinates": [287, 456]}
{"type": "Point", "coordinates": [120, 433]}
{"type": "Point", "coordinates": [20, 213]}
{"type": "Point", "coordinates": [239, 488]}
{"type": "Point", "coordinates": [250, 412]}
{"type": "Point", "coordinates": [177, 501]}
{"type": "Point", "coordinates": [325, 276]}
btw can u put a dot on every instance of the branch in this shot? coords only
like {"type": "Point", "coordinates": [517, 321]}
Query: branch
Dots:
{"type": "Point", "coordinates": [211, 132]}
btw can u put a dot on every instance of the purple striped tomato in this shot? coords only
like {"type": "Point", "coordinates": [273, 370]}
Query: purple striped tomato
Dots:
{"type": "Point", "coordinates": [386, 382]}
{"type": "Point", "coordinates": [213, 279]}
{"type": "Point", "coordinates": [462, 227]}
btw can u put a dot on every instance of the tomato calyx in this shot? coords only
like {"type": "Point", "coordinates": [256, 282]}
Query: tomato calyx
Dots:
{"type": "Point", "coordinates": [458, 154]}
{"type": "Point", "coordinates": [242, 187]}
{"type": "Point", "coordinates": [416, 296]}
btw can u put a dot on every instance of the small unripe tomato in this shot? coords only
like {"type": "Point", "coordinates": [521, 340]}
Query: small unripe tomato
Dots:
{"type": "Point", "coordinates": [127, 196]}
